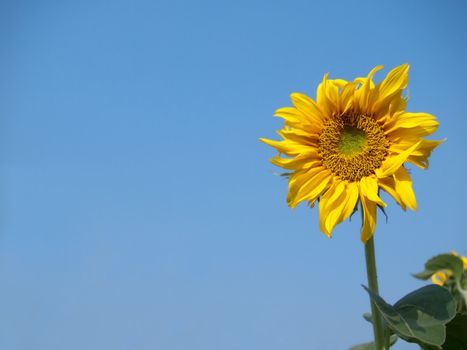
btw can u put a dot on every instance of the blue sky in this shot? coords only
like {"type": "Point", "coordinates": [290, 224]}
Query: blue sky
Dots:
{"type": "Point", "coordinates": [138, 208]}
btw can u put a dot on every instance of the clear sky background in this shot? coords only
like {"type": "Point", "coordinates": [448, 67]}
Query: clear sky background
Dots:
{"type": "Point", "coordinates": [138, 208]}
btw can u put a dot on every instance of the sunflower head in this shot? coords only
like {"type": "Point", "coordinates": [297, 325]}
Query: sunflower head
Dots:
{"type": "Point", "coordinates": [351, 143]}
{"type": "Point", "coordinates": [440, 277]}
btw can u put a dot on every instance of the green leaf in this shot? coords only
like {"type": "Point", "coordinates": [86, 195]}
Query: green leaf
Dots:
{"type": "Point", "coordinates": [460, 295]}
{"type": "Point", "coordinates": [424, 275]}
{"type": "Point", "coordinates": [442, 262]}
{"type": "Point", "coordinates": [420, 316]}
{"type": "Point", "coordinates": [371, 345]}
{"type": "Point", "coordinates": [456, 333]}
{"type": "Point", "coordinates": [367, 316]}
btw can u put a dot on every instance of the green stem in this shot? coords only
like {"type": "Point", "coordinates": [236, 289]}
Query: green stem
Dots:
{"type": "Point", "coordinates": [378, 328]}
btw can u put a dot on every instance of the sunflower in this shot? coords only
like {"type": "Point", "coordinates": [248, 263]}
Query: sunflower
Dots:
{"type": "Point", "coordinates": [440, 277]}
{"type": "Point", "coordinates": [349, 144]}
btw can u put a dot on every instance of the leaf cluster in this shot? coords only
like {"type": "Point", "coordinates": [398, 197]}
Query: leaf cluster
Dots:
{"type": "Point", "coordinates": [434, 317]}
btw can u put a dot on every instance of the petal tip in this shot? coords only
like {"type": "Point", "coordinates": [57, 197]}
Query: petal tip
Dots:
{"type": "Point", "coordinates": [326, 233]}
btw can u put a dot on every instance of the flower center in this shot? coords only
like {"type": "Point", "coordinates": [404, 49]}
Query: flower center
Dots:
{"type": "Point", "coordinates": [352, 140]}
{"type": "Point", "coordinates": [352, 146]}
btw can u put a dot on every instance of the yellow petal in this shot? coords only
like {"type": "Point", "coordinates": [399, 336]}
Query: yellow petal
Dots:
{"type": "Point", "coordinates": [311, 188]}
{"type": "Point", "coordinates": [341, 99]}
{"type": "Point", "coordinates": [404, 133]}
{"type": "Point", "coordinates": [423, 152]}
{"type": "Point", "coordinates": [300, 136]}
{"type": "Point", "coordinates": [346, 97]}
{"type": "Point", "coordinates": [388, 184]}
{"type": "Point", "coordinates": [391, 164]}
{"type": "Point", "coordinates": [402, 145]}
{"type": "Point", "coordinates": [364, 96]}
{"type": "Point", "coordinates": [333, 93]}
{"type": "Point", "coordinates": [363, 80]}
{"type": "Point", "coordinates": [351, 200]}
{"type": "Point", "coordinates": [327, 204]}
{"type": "Point", "coordinates": [291, 115]}
{"type": "Point", "coordinates": [337, 206]}
{"type": "Point", "coordinates": [424, 148]}
{"type": "Point", "coordinates": [296, 119]}
{"type": "Point", "coordinates": [396, 80]}
{"type": "Point", "coordinates": [414, 120]}
{"type": "Point", "coordinates": [427, 146]}
{"type": "Point", "coordinates": [369, 218]}
{"type": "Point", "coordinates": [463, 258]}
{"type": "Point", "coordinates": [421, 162]}
{"type": "Point", "coordinates": [439, 278]}
{"type": "Point", "coordinates": [397, 104]}
{"type": "Point", "coordinates": [464, 262]}
{"type": "Point", "coordinates": [404, 188]}
{"type": "Point", "coordinates": [303, 161]}
{"type": "Point", "coordinates": [297, 180]}
{"type": "Point", "coordinates": [308, 107]}
{"type": "Point", "coordinates": [339, 82]}
{"type": "Point", "coordinates": [420, 155]}
{"type": "Point", "coordinates": [288, 147]}
{"type": "Point", "coordinates": [326, 97]}
{"type": "Point", "coordinates": [369, 188]}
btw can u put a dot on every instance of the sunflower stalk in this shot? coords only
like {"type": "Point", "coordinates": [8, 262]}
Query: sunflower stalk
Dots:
{"type": "Point", "coordinates": [381, 343]}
